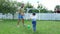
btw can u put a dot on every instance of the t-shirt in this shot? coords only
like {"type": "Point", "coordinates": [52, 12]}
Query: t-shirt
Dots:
{"type": "Point", "coordinates": [34, 18]}
{"type": "Point", "coordinates": [21, 10]}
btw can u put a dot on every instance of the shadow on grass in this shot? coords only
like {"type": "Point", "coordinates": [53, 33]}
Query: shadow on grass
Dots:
{"type": "Point", "coordinates": [29, 31]}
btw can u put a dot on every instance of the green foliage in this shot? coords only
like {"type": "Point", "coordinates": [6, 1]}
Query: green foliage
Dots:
{"type": "Point", "coordinates": [43, 11]}
{"type": "Point", "coordinates": [19, 4]}
{"type": "Point", "coordinates": [28, 5]}
{"type": "Point", "coordinates": [40, 6]}
{"type": "Point", "coordinates": [8, 6]}
{"type": "Point", "coordinates": [57, 9]}
{"type": "Point", "coordinates": [50, 11]}
{"type": "Point", "coordinates": [34, 11]}
{"type": "Point", "coordinates": [57, 6]}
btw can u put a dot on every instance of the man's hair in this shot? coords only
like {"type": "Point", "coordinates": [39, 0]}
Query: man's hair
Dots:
{"type": "Point", "coordinates": [22, 5]}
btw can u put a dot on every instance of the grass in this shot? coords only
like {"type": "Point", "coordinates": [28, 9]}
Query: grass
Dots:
{"type": "Point", "coordinates": [43, 27]}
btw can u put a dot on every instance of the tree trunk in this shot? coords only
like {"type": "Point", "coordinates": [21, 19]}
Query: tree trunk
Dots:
{"type": "Point", "coordinates": [13, 16]}
{"type": "Point", "coordinates": [6, 16]}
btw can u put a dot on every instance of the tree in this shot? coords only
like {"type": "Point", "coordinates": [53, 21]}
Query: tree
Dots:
{"type": "Point", "coordinates": [8, 6]}
{"type": "Point", "coordinates": [40, 6]}
{"type": "Point", "coordinates": [57, 9]}
{"type": "Point", "coordinates": [33, 11]}
{"type": "Point", "coordinates": [50, 11]}
{"type": "Point", "coordinates": [4, 6]}
{"type": "Point", "coordinates": [13, 8]}
{"type": "Point", "coordinates": [28, 5]}
{"type": "Point", "coordinates": [42, 9]}
{"type": "Point", "coordinates": [19, 4]}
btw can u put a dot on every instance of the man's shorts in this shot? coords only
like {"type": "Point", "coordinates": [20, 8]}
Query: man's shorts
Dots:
{"type": "Point", "coordinates": [20, 16]}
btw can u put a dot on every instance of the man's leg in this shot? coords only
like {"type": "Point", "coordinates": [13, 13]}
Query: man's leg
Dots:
{"type": "Point", "coordinates": [18, 23]}
{"type": "Point", "coordinates": [22, 17]}
{"type": "Point", "coordinates": [23, 21]}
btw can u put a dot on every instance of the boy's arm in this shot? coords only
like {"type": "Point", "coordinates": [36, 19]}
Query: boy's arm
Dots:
{"type": "Point", "coordinates": [30, 16]}
{"type": "Point", "coordinates": [36, 17]}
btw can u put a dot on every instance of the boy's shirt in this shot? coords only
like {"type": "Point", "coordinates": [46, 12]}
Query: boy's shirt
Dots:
{"type": "Point", "coordinates": [34, 18]}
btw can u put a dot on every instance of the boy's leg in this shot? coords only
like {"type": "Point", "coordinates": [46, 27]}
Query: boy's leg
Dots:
{"type": "Point", "coordinates": [34, 27]}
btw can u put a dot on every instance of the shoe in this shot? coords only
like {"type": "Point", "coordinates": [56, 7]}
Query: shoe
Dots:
{"type": "Point", "coordinates": [17, 25]}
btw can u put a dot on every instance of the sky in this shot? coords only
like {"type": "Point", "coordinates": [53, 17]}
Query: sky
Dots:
{"type": "Point", "coordinates": [49, 4]}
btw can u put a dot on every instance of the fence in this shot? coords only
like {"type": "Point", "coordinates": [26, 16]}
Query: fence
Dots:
{"type": "Point", "coordinates": [40, 16]}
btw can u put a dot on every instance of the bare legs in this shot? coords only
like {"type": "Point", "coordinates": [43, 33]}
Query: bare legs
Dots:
{"type": "Point", "coordinates": [19, 20]}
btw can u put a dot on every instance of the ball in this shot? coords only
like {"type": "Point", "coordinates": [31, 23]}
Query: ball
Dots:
{"type": "Point", "coordinates": [28, 26]}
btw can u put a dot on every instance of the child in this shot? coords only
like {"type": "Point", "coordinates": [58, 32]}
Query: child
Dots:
{"type": "Point", "coordinates": [33, 17]}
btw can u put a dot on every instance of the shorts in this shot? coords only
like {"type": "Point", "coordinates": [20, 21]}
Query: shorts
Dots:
{"type": "Point", "coordinates": [20, 16]}
{"type": "Point", "coordinates": [33, 22]}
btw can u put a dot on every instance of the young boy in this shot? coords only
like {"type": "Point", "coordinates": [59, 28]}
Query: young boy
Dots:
{"type": "Point", "coordinates": [33, 17]}
{"type": "Point", "coordinates": [21, 15]}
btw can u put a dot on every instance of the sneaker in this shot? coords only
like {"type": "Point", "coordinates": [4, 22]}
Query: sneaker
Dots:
{"type": "Point", "coordinates": [17, 25]}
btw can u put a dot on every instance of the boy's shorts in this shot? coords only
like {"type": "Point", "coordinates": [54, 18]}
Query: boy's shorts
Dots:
{"type": "Point", "coordinates": [34, 22]}
{"type": "Point", "coordinates": [20, 16]}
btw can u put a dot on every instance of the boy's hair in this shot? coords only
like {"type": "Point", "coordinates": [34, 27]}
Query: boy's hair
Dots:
{"type": "Point", "coordinates": [34, 14]}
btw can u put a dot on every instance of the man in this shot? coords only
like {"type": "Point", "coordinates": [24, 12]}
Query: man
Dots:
{"type": "Point", "coordinates": [21, 15]}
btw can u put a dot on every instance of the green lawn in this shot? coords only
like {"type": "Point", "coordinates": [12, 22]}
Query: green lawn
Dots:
{"type": "Point", "coordinates": [43, 27]}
